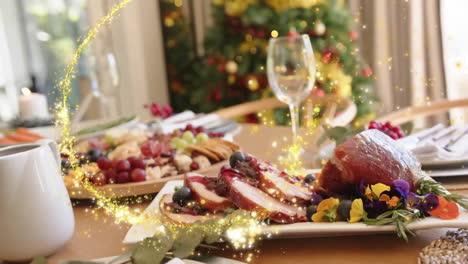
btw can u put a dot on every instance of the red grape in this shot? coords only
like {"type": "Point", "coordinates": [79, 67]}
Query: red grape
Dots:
{"type": "Point", "coordinates": [189, 127]}
{"type": "Point", "coordinates": [137, 163]}
{"type": "Point", "coordinates": [123, 165]}
{"type": "Point", "coordinates": [99, 179]}
{"type": "Point", "coordinates": [111, 176]}
{"type": "Point", "coordinates": [122, 177]}
{"type": "Point", "coordinates": [151, 148]}
{"type": "Point", "coordinates": [138, 175]}
{"type": "Point", "coordinates": [194, 166]}
{"type": "Point", "coordinates": [199, 130]}
{"type": "Point", "coordinates": [394, 132]}
{"type": "Point", "coordinates": [104, 163]}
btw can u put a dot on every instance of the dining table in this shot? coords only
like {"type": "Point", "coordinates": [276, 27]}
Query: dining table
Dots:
{"type": "Point", "coordinates": [97, 235]}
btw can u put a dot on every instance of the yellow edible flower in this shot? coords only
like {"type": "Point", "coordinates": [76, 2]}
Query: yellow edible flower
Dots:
{"type": "Point", "coordinates": [368, 193]}
{"type": "Point", "coordinates": [326, 210]}
{"type": "Point", "coordinates": [379, 188]}
{"type": "Point", "coordinates": [357, 211]}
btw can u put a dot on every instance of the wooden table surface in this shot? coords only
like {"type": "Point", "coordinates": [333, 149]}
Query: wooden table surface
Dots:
{"type": "Point", "coordinates": [96, 235]}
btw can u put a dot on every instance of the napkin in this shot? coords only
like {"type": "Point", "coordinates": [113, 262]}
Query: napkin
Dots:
{"type": "Point", "coordinates": [169, 125]}
{"type": "Point", "coordinates": [428, 149]}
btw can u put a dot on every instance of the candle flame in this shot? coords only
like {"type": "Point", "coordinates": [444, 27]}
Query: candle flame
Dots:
{"type": "Point", "coordinates": [25, 91]}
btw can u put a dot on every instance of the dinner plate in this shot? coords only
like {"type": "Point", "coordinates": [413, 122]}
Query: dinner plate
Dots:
{"type": "Point", "coordinates": [200, 259]}
{"type": "Point", "coordinates": [139, 232]}
{"type": "Point", "coordinates": [448, 173]}
{"type": "Point", "coordinates": [445, 164]}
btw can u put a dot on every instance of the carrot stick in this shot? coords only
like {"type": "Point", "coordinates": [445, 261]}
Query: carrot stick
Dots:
{"type": "Point", "coordinates": [25, 131]}
{"type": "Point", "coordinates": [21, 138]}
{"type": "Point", "coordinates": [7, 141]}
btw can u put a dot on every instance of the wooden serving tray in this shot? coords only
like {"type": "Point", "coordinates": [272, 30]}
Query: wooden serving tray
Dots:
{"type": "Point", "coordinates": [137, 188]}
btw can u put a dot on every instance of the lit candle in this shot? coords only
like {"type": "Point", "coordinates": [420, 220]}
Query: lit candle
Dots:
{"type": "Point", "coordinates": [32, 105]}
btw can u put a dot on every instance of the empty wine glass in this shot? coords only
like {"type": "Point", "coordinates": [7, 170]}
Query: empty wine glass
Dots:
{"type": "Point", "coordinates": [291, 72]}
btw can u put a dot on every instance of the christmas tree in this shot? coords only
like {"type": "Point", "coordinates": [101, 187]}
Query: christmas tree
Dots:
{"type": "Point", "coordinates": [232, 70]}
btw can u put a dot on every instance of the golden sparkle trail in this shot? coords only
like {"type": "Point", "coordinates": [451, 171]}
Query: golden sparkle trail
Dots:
{"type": "Point", "coordinates": [242, 237]}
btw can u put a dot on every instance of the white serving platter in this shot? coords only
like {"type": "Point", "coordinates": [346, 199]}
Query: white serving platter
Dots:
{"type": "Point", "coordinates": [139, 232]}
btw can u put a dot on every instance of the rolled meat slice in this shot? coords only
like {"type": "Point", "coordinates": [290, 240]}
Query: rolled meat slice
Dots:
{"type": "Point", "coordinates": [203, 191]}
{"type": "Point", "coordinates": [251, 198]}
{"type": "Point", "coordinates": [166, 206]}
{"type": "Point", "coordinates": [370, 156]}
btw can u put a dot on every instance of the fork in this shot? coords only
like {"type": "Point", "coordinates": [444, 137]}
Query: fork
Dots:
{"type": "Point", "coordinates": [455, 139]}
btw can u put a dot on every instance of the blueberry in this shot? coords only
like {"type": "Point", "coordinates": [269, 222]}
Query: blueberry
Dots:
{"type": "Point", "coordinates": [65, 164]}
{"type": "Point", "coordinates": [235, 158]}
{"type": "Point", "coordinates": [94, 154]}
{"type": "Point", "coordinates": [83, 158]}
{"type": "Point", "coordinates": [344, 209]}
{"type": "Point", "coordinates": [311, 210]}
{"type": "Point", "coordinates": [182, 196]}
{"type": "Point", "coordinates": [310, 178]}
{"type": "Point", "coordinates": [315, 199]}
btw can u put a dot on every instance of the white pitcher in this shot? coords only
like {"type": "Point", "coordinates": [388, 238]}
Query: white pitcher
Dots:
{"type": "Point", "coordinates": [36, 216]}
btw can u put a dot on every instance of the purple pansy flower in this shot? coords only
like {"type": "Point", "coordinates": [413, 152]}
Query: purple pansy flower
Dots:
{"type": "Point", "coordinates": [375, 209]}
{"type": "Point", "coordinates": [402, 185]}
{"type": "Point", "coordinates": [429, 203]}
{"type": "Point", "coordinates": [413, 200]}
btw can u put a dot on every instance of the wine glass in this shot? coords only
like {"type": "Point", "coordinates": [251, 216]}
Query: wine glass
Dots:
{"type": "Point", "coordinates": [291, 73]}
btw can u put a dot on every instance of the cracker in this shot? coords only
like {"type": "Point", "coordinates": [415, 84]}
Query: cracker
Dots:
{"type": "Point", "coordinates": [216, 148]}
{"type": "Point", "coordinates": [204, 151]}
{"type": "Point", "coordinates": [231, 145]}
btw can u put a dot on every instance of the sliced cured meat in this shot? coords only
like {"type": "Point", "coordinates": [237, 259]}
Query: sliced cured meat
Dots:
{"type": "Point", "coordinates": [370, 156]}
{"type": "Point", "coordinates": [280, 188]}
{"type": "Point", "coordinates": [248, 197]}
{"type": "Point", "coordinates": [203, 191]}
{"type": "Point", "coordinates": [166, 206]}
{"type": "Point", "coordinates": [276, 183]}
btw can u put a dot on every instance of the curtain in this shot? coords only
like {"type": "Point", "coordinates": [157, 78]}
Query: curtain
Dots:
{"type": "Point", "coordinates": [401, 40]}
{"type": "Point", "coordinates": [137, 74]}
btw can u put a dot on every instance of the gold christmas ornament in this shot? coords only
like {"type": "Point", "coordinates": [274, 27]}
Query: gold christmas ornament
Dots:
{"type": "Point", "coordinates": [319, 28]}
{"type": "Point", "coordinates": [279, 5]}
{"type": "Point", "coordinates": [169, 22]}
{"type": "Point", "coordinates": [218, 2]}
{"type": "Point", "coordinates": [231, 67]}
{"type": "Point", "coordinates": [252, 83]}
{"type": "Point", "coordinates": [333, 74]}
{"type": "Point", "coordinates": [236, 7]}
{"type": "Point", "coordinates": [231, 79]}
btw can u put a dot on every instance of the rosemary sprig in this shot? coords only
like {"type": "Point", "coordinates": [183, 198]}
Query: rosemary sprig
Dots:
{"type": "Point", "coordinates": [400, 217]}
{"type": "Point", "coordinates": [430, 186]}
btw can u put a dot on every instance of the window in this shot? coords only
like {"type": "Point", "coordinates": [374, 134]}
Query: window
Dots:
{"type": "Point", "coordinates": [455, 47]}
{"type": "Point", "coordinates": [37, 38]}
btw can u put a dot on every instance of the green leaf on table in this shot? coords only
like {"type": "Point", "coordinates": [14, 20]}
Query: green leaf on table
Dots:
{"type": "Point", "coordinates": [215, 232]}
{"type": "Point", "coordinates": [187, 240]}
{"type": "Point", "coordinates": [39, 260]}
{"type": "Point", "coordinates": [152, 249]}
{"type": "Point", "coordinates": [121, 259]}
{"type": "Point", "coordinates": [80, 262]}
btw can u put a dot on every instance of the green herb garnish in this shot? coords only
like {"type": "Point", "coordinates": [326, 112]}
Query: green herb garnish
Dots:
{"type": "Point", "coordinates": [400, 217]}
{"type": "Point", "coordinates": [430, 186]}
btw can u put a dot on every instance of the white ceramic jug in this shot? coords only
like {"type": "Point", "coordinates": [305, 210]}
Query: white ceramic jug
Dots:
{"type": "Point", "coordinates": [36, 216]}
